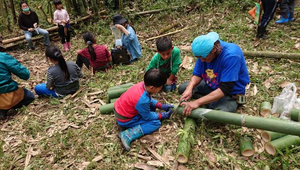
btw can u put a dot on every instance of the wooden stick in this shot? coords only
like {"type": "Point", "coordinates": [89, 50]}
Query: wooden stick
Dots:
{"type": "Point", "coordinates": [170, 33]}
{"type": "Point", "coordinates": [165, 29]}
{"type": "Point", "coordinates": [80, 90]}
{"type": "Point", "coordinates": [270, 54]}
{"type": "Point", "coordinates": [153, 11]}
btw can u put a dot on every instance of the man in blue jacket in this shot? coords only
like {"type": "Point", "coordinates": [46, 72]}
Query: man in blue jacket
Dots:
{"type": "Point", "coordinates": [12, 96]}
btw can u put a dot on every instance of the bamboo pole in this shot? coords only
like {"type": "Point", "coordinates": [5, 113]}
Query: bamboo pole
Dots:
{"type": "Point", "coordinates": [295, 114]}
{"type": "Point", "coordinates": [270, 54]}
{"type": "Point", "coordinates": [116, 93]}
{"type": "Point", "coordinates": [246, 147]}
{"type": "Point", "coordinates": [127, 85]}
{"type": "Point", "coordinates": [154, 11]}
{"type": "Point", "coordinates": [265, 108]}
{"type": "Point", "coordinates": [170, 33]}
{"type": "Point", "coordinates": [186, 141]}
{"type": "Point", "coordinates": [108, 108]}
{"type": "Point", "coordinates": [268, 136]}
{"type": "Point", "coordinates": [275, 125]}
{"type": "Point", "coordinates": [45, 15]}
{"type": "Point", "coordinates": [281, 143]}
{"type": "Point", "coordinates": [165, 29]}
{"type": "Point", "coordinates": [113, 100]}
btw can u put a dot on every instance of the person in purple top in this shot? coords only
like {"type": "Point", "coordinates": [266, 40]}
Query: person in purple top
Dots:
{"type": "Point", "coordinates": [219, 77]}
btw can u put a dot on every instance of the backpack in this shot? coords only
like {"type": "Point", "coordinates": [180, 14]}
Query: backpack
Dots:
{"type": "Point", "coordinates": [120, 55]}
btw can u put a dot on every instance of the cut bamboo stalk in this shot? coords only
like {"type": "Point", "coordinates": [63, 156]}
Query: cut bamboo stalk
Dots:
{"type": "Point", "coordinates": [265, 108]}
{"type": "Point", "coordinates": [113, 100]}
{"type": "Point", "coordinates": [246, 147]}
{"type": "Point", "coordinates": [108, 108]}
{"type": "Point", "coordinates": [281, 143]}
{"type": "Point", "coordinates": [270, 54]}
{"type": "Point", "coordinates": [275, 125]}
{"type": "Point", "coordinates": [186, 141]}
{"type": "Point", "coordinates": [121, 86]}
{"type": "Point", "coordinates": [268, 136]}
{"type": "Point", "coordinates": [116, 93]}
{"type": "Point", "coordinates": [295, 114]}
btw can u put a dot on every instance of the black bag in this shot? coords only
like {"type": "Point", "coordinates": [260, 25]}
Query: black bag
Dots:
{"type": "Point", "coordinates": [120, 55]}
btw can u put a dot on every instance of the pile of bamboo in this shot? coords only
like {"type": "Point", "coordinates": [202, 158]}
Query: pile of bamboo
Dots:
{"type": "Point", "coordinates": [113, 94]}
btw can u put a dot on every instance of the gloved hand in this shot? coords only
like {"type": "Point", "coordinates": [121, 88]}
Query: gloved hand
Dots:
{"type": "Point", "coordinates": [166, 107]}
{"type": "Point", "coordinates": [166, 115]}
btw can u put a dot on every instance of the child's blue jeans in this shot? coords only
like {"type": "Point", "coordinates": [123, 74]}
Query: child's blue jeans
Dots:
{"type": "Point", "coordinates": [42, 90]}
{"type": "Point", "coordinates": [226, 103]}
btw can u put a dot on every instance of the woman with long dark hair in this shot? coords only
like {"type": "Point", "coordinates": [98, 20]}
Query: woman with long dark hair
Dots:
{"type": "Point", "coordinates": [62, 78]}
{"type": "Point", "coordinates": [93, 55]}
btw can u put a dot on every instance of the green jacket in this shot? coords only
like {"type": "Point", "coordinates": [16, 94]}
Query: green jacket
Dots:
{"type": "Point", "coordinates": [8, 65]}
{"type": "Point", "coordinates": [169, 66]}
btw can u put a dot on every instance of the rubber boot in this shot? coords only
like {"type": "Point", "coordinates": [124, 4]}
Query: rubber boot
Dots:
{"type": "Point", "coordinates": [65, 47]}
{"type": "Point", "coordinates": [129, 135]}
{"type": "Point", "coordinates": [69, 45]}
{"type": "Point", "coordinates": [283, 19]}
{"type": "Point", "coordinates": [261, 31]}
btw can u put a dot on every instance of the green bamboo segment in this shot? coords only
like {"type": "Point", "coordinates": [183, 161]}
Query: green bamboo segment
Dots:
{"type": "Point", "coordinates": [265, 108]}
{"type": "Point", "coordinates": [287, 127]}
{"type": "Point", "coordinates": [279, 110]}
{"type": "Point", "coordinates": [127, 85]}
{"type": "Point", "coordinates": [113, 100]}
{"type": "Point", "coordinates": [246, 147]}
{"type": "Point", "coordinates": [115, 93]}
{"type": "Point", "coordinates": [186, 141]}
{"type": "Point", "coordinates": [281, 143]}
{"type": "Point", "coordinates": [108, 108]}
{"type": "Point", "coordinates": [295, 114]}
{"type": "Point", "coordinates": [268, 136]}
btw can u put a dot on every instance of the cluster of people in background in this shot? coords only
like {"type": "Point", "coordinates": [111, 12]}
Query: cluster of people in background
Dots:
{"type": "Point", "coordinates": [218, 80]}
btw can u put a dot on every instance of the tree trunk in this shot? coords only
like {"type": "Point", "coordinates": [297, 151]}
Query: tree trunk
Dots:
{"type": "Point", "coordinates": [50, 10]}
{"type": "Point", "coordinates": [13, 11]}
{"type": "Point", "coordinates": [2, 11]}
{"type": "Point", "coordinates": [94, 6]}
{"type": "Point", "coordinates": [246, 147]}
{"type": "Point", "coordinates": [269, 54]}
{"type": "Point", "coordinates": [186, 141]}
{"type": "Point", "coordinates": [115, 93]}
{"type": "Point", "coordinates": [281, 143]}
{"type": "Point", "coordinates": [268, 136]}
{"type": "Point", "coordinates": [77, 9]}
{"type": "Point", "coordinates": [68, 6]}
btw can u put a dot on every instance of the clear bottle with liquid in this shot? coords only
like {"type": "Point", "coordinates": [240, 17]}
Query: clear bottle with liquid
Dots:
{"type": "Point", "coordinates": [118, 35]}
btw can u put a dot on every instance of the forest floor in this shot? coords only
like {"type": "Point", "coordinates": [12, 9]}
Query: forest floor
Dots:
{"type": "Point", "coordinates": [71, 133]}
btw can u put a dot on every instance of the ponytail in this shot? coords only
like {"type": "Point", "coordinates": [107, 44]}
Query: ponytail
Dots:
{"type": "Point", "coordinates": [55, 54]}
{"type": "Point", "coordinates": [89, 39]}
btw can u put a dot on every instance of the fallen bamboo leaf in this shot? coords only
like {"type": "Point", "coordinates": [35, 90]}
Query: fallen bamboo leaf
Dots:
{"type": "Point", "coordinates": [95, 93]}
{"type": "Point", "coordinates": [97, 158]}
{"type": "Point", "coordinates": [155, 163]}
{"type": "Point", "coordinates": [211, 157]}
{"type": "Point", "coordinates": [157, 156]}
{"type": "Point", "coordinates": [187, 63]}
{"type": "Point", "coordinates": [28, 156]}
{"type": "Point", "coordinates": [255, 68]}
{"type": "Point", "coordinates": [267, 83]}
{"type": "Point", "coordinates": [182, 167]}
{"type": "Point", "coordinates": [284, 84]}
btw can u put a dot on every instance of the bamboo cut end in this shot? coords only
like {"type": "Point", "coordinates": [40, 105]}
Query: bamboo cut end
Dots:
{"type": "Point", "coordinates": [248, 152]}
{"type": "Point", "coordinates": [182, 159]}
{"type": "Point", "coordinates": [270, 148]}
{"type": "Point", "coordinates": [265, 136]}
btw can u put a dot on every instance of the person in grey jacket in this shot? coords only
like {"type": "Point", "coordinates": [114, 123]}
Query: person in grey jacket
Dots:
{"type": "Point", "coordinates": [62, 78]}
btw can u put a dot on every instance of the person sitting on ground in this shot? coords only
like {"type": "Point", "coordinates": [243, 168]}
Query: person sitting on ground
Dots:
{"type": "Point", "coordinates": [62, 78]}
{"type": "Point", "coordinates": [28, 21]}
{"type": "Point", "coordinates": [219, 77]}
{"type": "Point", "coordinates": [129, 37]}
{"type": "Point", "coordinates": [137, 112]}
{"type": "Point", "coordinates": [11, 95]}
{"type": "Point", "coordinates": [95, 55]}
{"type": "Point", "coordinates": [287, 11]}
{"type": "Point", "coordinates": [168, 59]}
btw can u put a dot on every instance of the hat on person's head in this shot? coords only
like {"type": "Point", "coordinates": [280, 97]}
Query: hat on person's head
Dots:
{"type": "Point", "coordinates": [203, 44]}
{"type": "Point", "coordinates": [118, 19]}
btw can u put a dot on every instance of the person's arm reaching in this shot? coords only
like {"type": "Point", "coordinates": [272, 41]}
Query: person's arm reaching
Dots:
{"type": "Point", "coordinates": [187, 94]}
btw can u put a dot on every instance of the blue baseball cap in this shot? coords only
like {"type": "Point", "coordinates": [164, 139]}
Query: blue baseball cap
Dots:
{"type": "Point", "coordinates": [203, 44]}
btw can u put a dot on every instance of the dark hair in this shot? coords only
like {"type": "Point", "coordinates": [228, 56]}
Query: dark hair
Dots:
{"type": "Point", "coordinates": [155, 77]}
{"type": "Point", "coordinates": [54, 53]}
{"type": "Point", "coordinates": [163, 44]}
{"type": "Point", "coordinates": [89, 39]}
{"type": "Point", "coordinates": [57, 2]}
{"type": "Point", "coordinates": [23, 2]}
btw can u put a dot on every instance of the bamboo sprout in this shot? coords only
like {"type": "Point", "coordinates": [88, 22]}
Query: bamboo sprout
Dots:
{"type": "Point", "coordinates": [281, 143]}
{"type": "Point", "coordinates": [268, 136]}
{"type": "Point", "coordinates": [108, 108]}
{"type": "Point", "coordinates": [186, 141]}
{"type": "Point", "coordinates": [295, 114]}
{"type": "Point", "coordinates": [265, 108]}
{"type": "Point", "coordinates": [246, 147]}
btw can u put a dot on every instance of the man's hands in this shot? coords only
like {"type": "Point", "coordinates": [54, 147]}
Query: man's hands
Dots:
{"type": "Point", "coordinates": [189, 107]}
{"type": "Point", "coordinates": [186, 95]}
{"type": "Point", "coordinates": [166, 107]}
{"type": "Point", "coordinates": [166, 115]}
